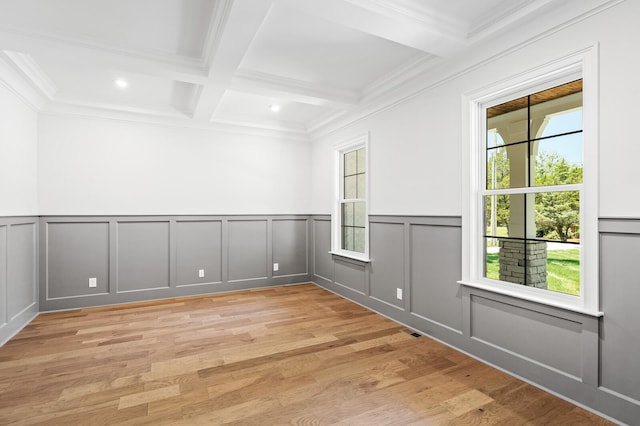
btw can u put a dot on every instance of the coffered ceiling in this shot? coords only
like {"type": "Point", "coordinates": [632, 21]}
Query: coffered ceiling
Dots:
{"type": "Point", "coordinates": [230, 62]}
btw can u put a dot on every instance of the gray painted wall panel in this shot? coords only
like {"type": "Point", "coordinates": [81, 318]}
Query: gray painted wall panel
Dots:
{"type": "Point", "coordinates": [199, 246]}
{"type": "Point", "coordinates": [436, 259]}
{"type": "Point", "coordinates": [18, 274]}
{"type": "Point", "coordinates": [620, 332]}
{"type": "Point", "coordinates": [4, 319]}
{"type": "Point", "coordinates": [162, 254]}
{"type": "Point", "coordinates": [387, 261]}
{"type": "Point", "coordinates": [350, 274]}
{"type": "Point", "coordinates": [290, 246]}
{"type": "Point", "coordinates": [75, 253]}
{"type": "Point", "coordinates": [247, 249]}
{"type": "Point", "coordinates": [322, 260]}
{"type": "Point", "coordinates": [143, 255]}
{"type": "Point", "coordinates": [549, 340]}
{"type": "Point", "coordinates": [21, 268]}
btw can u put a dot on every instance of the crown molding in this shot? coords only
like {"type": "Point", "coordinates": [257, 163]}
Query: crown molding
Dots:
{"type": "Point", "coordinates": [409, 70]}
{"type": "Point", "coordinates": [325, 120]}
{"type": "Point", "coordinates": [176, 119]}
{"type": "Point", "coordinates": [33, 73]}
{"type": "Point", "coordinates": [16, 75]}
{"type": "Point", "coordinates": [506, 13]}
{"type": "Point", "coordinates": [64, 104]}
{"type": "Point", "coordinates": [453, 68]}
{"type": "Point", "coordinates": [250, 122]}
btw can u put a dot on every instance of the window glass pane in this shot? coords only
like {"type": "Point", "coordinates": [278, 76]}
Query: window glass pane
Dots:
{"type": "Point", "coordinates": [505, 215]}
{"type": "Point", "coordinates": [509, 120]}
{"type": "Point", "coordinates": [511, 166]}
{"type": "Point", "coordinates": [569, 121]}
{"type": "Point", "coordinates": [350, 163]}
{"type": "Point", "coordinates": [557, 110]}
{"type": "Point", "coordinates": [558, 160]}
{"type": "Point", "coordinates": [359, 213]}
{"type": "Point", "coordinates": [492, 265]}
{"type": "Point", "coordinates": [347, 238]}
{"type": "Point", "coordinates": [547, 265]}
{"type": "Point", "coordinates": [350, 187]}
{"type": "Point", "coordinates": [361, 190]}
{"type": "Point", "coordinates": [362, 164]}
{"type": "Point", "coordinates": [557, 216]}
{"type": "Point", "coordinates": [563, 268]}
{"type": "Point", "coordinates": [347, 214]}
{"type": "Point", "coordinates": [358, 240]}
{"type": "Point", "coordinates": [497, 169]}
{"type": "Point", "coordinates": [494, 138]}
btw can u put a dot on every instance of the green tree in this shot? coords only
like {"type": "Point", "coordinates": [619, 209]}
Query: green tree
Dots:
{"type": "Point", "coordinates": [557, 212]}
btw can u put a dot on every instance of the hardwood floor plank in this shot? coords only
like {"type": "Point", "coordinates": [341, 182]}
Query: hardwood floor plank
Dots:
{"type": "Point", "coordinates": [281, 355]}
{"type": "Point", "coordinates": [148, 396]}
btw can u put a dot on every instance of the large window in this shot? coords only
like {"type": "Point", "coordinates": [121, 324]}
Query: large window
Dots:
{"type": "Point", "coordinates": [534, 167]}
{"type": "Point", "coordinates": [351, 224]}
{"type": "Point", "coordinates": [531, 217]}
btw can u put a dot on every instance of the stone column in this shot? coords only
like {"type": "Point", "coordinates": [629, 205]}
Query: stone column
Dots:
{"type": "Point", "coordinates": [518, 262]}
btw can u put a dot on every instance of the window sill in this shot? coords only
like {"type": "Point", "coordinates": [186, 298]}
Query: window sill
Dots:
{"type": "Point", "coordinates": [532, 298]}
{"type": "Point", "coordinates": [348, 256]}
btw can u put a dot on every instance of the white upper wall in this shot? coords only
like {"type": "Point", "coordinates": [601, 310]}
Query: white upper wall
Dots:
{"type": "Point", "coordinates": [18, 155]}
{"type": "Point", "coordinates": [92, 166]}
{"type": "Point", "coordinates": [415, 156]}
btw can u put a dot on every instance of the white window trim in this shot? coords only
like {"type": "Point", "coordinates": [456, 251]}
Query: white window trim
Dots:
{"type": "Point", "coordinates": [581, 64]}
{"type": "Point", "coordinates": [361, 141]}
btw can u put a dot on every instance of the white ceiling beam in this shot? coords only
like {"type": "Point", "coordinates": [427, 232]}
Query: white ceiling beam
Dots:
{"type": "Point", "coordinates": [294, 90]}
{"type": "Point", "coordinates": [80, 53]}
{"type": "Point", "coordinates": [388, 20]}
{"type": "Point", "coordinates": [234, 37]}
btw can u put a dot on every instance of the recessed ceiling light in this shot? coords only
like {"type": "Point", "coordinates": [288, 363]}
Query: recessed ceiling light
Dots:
{"type": "Point", "coordinates": [121, 83]}
{"type": "Point", "coordinates": [274, 107]}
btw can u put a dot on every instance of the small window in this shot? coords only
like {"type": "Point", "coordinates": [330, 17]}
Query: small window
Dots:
{"type": "Point", "coordinates": [351, 222]}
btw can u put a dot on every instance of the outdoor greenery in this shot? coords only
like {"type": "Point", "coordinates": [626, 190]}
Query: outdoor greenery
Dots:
{"type": "Point", "coordinates": [563, 270]}
{"type": "Point", "coordinates": [557, 213]}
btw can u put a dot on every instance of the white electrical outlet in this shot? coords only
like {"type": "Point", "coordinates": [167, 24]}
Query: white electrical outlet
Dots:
{"type": "Point", "coordinates": [93, 282]}
{"type": "Point", "coordinates": [399, 293]}
{"type": "Point", "coordinates": [201, 273]}
{"type": "Point", "coordinates": [276, 267]}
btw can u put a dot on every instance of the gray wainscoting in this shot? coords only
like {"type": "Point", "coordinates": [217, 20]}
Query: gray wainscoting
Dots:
{"type": "Point", "coordinates": [198, 247]}
{"type": "Point", "coordinates": [18, 274]}
{"type": "Point", "coordinates": [134, 258]}
{"type": "Point", "coordinates": [591, 361]}
{"type": "Point", "coordinates": [619, 359]}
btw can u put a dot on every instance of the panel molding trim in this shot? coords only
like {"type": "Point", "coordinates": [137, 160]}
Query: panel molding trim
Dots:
{"type": "Point", "coordinates": [137, 258]}
{"type": "Point", "coordinates": [18, 274]}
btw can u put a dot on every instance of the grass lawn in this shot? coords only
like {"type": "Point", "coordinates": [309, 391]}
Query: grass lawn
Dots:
{"type": "Point", "coordinates": [563, 270]}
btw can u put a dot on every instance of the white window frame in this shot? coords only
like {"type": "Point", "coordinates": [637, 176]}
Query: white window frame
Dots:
{"type": "Point", "coordinates": [354, 144]}
{"type": "Point", "coordinates": [582, 64]}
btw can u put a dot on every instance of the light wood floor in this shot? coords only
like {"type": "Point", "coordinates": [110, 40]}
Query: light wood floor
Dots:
{"type": "Point", "coordinates": [285, 355]}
